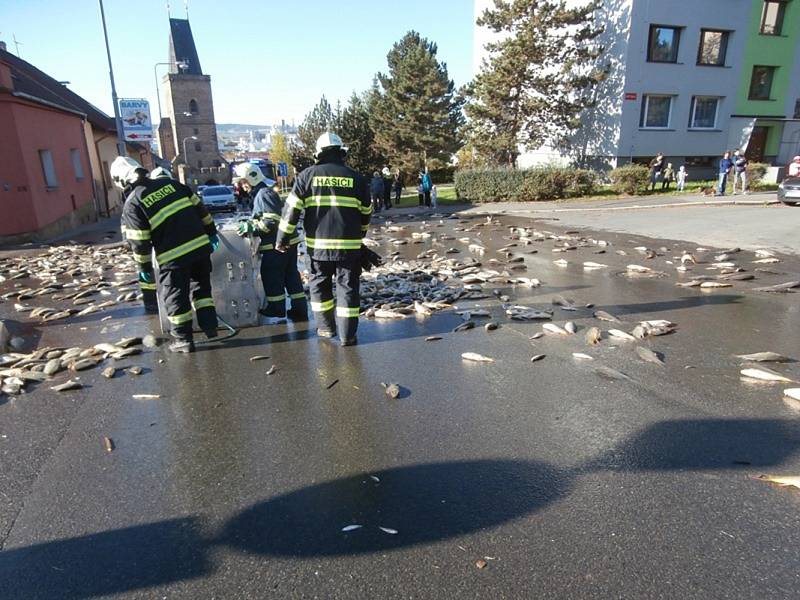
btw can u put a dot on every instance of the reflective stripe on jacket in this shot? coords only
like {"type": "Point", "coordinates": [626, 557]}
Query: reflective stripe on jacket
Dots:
{"type": "Point", "coordinates": [166, 216]}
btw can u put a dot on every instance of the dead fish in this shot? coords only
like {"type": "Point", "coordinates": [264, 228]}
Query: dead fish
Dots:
{"type": "Point", "coordinates": [383, 313]}
{"type": "Point", "coordinates": [67, 386]}
{"type": "Point", "coordinates": [604, 316]}
{"type": "Point", "coordinates": [537, 357]}
{"type": "Point", "coordinates": [84, 363]}
{"type": "Point", "coordinates": [134, 370]}
{"type": "Point", "coordinates": [536, 335]}
{"type": "Point", "coordinates": [108, 444]}
{"type": "Point", "coordinates": [621, 335]}
{"type": "Point", "coordinates": [715, 284]}
{"type": "Point", "coordinates": [491, 326]}
{"type": "Point", "coordinates": [593, 265]}
{"type": "Point", "coordinates": [764, 374]}
{"type": "Point", "coordinates": [764, 357]}
{"type": "Point", "coordinates": [766, 261]}
{"type": "Point", "coordinates": [52, 366]}
{"type": "Point", "coordinates": [107, 348]}
{"type": "Point", "coordinates": [475, 357]}
{"type": "Point", "coordinates": [593, 336]}
{"type": "Point", "coordinates": [129, 341]}
{"type": "Point", "coordinates": [571, 327]}
{"type": "Point", "coordinates": [272, 370]}
{"type": "Point", "coordinates": [258, 357]}
{"type": "Point", "coordinates": [560, 262]}
{"type": "Point", "coordinates": [388, 530]}
{"type": "Point", "coordinates": [433, 338]}
{"type": "Point", "coordinates": [764, 253]}
{"type": "Point", "coordinates": [582, 356]}
{"type": "Point", "coordinates": [146, 396]}
{"type": "Point", "coordinates": [109, 372]}
{"type": "Point", "coordinates": [347, 528]}
{"type": "Point", "coordinates": [610, 373]}
{"type": "Point", "coordinates": [554, 329]}
{"type": "Point", "coordinates": [421, 309]}
{"type": "Point", "coordinates": [464, 326]}
{"type": "Point", "coordinates": [648, 355]}
{"type": "Point", "coordinates": [793, 393]}
{"type": "Point", "coordinates": [779, 288]}
{"type": "Point", "coordinates": [638, 269]}
{"type": "Point", "coordinates": [392, 389]}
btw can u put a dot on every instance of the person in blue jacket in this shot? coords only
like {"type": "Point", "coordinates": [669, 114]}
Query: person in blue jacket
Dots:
{"type": "Point", "coordinates": [427, 186]}
{"type": "Point", "coordinates": [279, 273]}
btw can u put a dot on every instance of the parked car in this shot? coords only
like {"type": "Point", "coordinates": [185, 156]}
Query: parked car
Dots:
{"type": "Point", "coordinates": [789, 191]}
{"type": "Point", "coordinates": [218, 198]}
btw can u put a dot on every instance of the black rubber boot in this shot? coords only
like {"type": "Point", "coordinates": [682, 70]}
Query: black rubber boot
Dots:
{"type": "Point", "coordinates": [182, 346]}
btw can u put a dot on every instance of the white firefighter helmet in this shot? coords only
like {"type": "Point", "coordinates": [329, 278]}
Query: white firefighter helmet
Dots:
{"type": "Point", "coordinates": [160, 173]}
{"type": "Point", "coordinates": [329, 140]}
{"type": "Point", "coordinates": [124, 170]}
{"type": "Point", "coordinates": [251, 173]}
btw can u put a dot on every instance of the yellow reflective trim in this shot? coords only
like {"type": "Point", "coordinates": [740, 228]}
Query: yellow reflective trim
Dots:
{"type": "Point", "coordinates": [343, 201]}
{"type": "Point", "coordinates": [137, 234]}
{"type": "Point", "coordinates": [271, 216]}
{"type": "Point", "coordinates": [276, 298]}
{"type": "Point", "coordinates": [142, 259]}
{"type": "Point", "coordinates": [177, 252]}
{"type": "Point", "coordinates": [264, 247]}
{"type": "Point", "coordinates": [295, 203]}
{"type": "Point", "coordinates": [208, 220]}
{"type": "Point", "coordinates": [146, 286]}
{"type": "Point", "coordinates": [286, 227]}
{"type": "Point", "coordinates": [194, 199]}
{"type": "Point", "coordinates": [181, 318]}
{"type": "Point", "coordinates": [365, 210]}
{"type": "Point", "coordinates": [202, 303]}
{"type": "Point", "coordinates": [169, 210]}
{"type": "Point", "coordinates": [294, 240]}
{"type": "Point", "coordinates": [364, 227]}
{"type": "Point", "coordinates": [261, 226]}
{"type": "Point", "coordinates": [298, 296]}
{"type": "Point", "coordinates": [332, 244]}
{"type": "Point", "coordinates": [346, 311]}
{"type": "Point", "coordinates": [323, 306]}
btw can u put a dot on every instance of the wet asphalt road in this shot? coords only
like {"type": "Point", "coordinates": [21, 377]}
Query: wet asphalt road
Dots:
{"type": "Point", "coordinates": [237, 484]}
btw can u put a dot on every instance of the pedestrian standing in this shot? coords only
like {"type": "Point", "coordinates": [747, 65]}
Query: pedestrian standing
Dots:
{"type": "Point", "coordinates": [434, 197]}
{"type": "Point", "coordinates": [681, 178]}
{"type": "Point", "coordinates": [279, 274]}
{"type": "Point", "coordinates": [335, 202]}
{"type": "Point", "coordinates": [166, 216]}
{"type": "Point", "coordinates": [656, 166]}
{"type": "Point", "coordinates": [398, 188]}
{"type": "Point", "coordinates": [427, 184]}
{"type": "Point", "coordinates": [794, 167]}
{"type": "Point", "coordinates": [725, 166]}
{"type": "Point", "coordinates": [739, 171]}
{"type": "Point", "coordinates": [420, 190]}
{"type": "Point", "coordinates": [376, 191]}
{"type": "Point", "coordinates": [667, 177]}
{"type": "Point", "coordinates": [387, 187]}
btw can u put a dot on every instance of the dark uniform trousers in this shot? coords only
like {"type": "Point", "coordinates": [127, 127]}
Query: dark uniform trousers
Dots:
{"type": "Point", "coordinates": [177, 283]}
{"type": "Point", "coordinates": [149, 292]}
{"type": "Point", "coordinates": [346, 274]}
{"type": "Point", "coordinates": [280, 277]}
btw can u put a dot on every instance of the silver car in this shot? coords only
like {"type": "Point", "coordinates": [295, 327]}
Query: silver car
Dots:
{"type": "Point", "coordinates": [789, 191]}
{"type": "Point", "coordinates": [218, 198]}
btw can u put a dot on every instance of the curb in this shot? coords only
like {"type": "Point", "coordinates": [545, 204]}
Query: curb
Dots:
{"type": "Point", "coordinates": [633, 207]}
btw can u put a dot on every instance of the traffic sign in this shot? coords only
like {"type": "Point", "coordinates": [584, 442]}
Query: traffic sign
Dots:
{"type": "Point", "coordinates": [136, 123]}
{"type": "Point", "coordinates": [283, 169]}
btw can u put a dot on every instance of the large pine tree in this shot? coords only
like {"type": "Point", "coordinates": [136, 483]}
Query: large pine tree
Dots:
{"type": "Point", "coordinates": [538, 78]}
{"type": "Point", "coordinates": [353, 126]}
{"type": "Point", "coordinates": [318, 121]}
{"type": "Point", "coordinates": [416, 113]}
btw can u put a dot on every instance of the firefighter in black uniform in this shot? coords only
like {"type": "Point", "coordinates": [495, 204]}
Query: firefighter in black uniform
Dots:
{"type": "Point", "coordinates": [166, 216]}
{"type": "Point", "coordinates": [279, 273]}
{"type": "Point", "coordinates": [337, 208]}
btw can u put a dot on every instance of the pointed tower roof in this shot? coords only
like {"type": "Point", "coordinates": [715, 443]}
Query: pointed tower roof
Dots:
{"type": "Point", "coordinates": [182, 48]}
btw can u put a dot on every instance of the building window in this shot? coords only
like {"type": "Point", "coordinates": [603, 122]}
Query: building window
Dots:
{"type": "Point", "coordinates": [217, 163]}
{"type": "Point", "coordinates": [193, 106]}
{"type": "Point", "coordinates": [198, 147]}
{"type": "Point", "coordinates": [713, 47]}
{"type": "Point", "coordinates": [655, 112]}
{"type": "Point", "coordinates": [704, 112]}
{"type": "Point", "coordinates": [663, 44]}
{"type": "Point", "coordinates": [700, 161]}
{"type": "Point", "coordinates": [195, 131]}
{"type": "Point", "coordinates": [75, 155]}
{"type": "Point", "coordinates": [772, 17]}
{"type": "Point", "coordinates": [48, 168]}
{"type": "Point", "coordinates": [761, 82]}
{"type": "Point", "coordinates": [199, 164]}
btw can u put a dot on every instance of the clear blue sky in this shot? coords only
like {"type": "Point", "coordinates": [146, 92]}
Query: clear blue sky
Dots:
{"type": "Point", "coordinates": [267, 60]}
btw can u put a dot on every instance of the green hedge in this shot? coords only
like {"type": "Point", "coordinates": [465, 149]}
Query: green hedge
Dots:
{"type": "Point", "coordinates": [630, 179]}
{"type": "Point", "coordinates": [521, 185]}
{"type": "Point", "coordinates": [755, 172]}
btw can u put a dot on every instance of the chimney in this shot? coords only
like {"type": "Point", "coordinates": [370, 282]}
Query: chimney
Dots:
{"type": "Point", "coordinates": [2, 46]}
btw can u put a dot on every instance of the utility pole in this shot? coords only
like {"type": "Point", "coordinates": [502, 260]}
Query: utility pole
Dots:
{"type": "Point", "coordinates": [120, 134]}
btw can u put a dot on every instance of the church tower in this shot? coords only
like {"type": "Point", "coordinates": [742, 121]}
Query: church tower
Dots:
{"type": "Point", "coordinates": [190, 112]}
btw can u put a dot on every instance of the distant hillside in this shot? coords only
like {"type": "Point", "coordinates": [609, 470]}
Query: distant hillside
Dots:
{"type": "Point", "coordinates": [239, 127]}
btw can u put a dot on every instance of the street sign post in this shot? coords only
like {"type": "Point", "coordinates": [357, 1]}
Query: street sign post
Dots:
{"type": "Point", "coordinates": [135, 116]}
{"type": "Point", "coordinates": [283, 169]}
